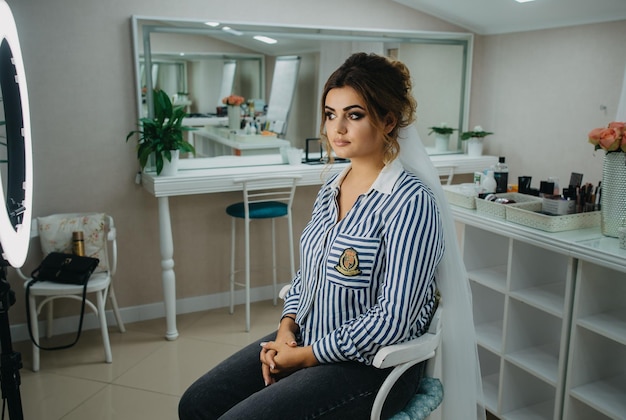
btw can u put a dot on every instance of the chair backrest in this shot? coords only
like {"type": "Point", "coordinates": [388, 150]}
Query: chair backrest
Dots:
{"type": "Point", "coordinates": [446, 173]}
{"type": "Point", "coordinates": [274, 188]}
{"type": "Point", "coordinates": [59, 228]}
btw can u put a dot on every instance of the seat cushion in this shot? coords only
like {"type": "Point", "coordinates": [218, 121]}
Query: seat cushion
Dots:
{"type": "Point", "coordinates": [266, 210]}
{"type": "Point", "coordinates": [428, 397]}
{"type": "Point", "coordinates": [55, 234]}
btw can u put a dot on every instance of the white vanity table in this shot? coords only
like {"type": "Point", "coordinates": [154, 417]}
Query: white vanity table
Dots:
{"type": "Point", "coordinates": [215, 175]}
{"type": "Point", "coordinates": [550, 317]}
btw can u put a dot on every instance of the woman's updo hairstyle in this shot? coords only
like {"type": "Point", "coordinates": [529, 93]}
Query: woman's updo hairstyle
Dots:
{"type": "Point", "coordinates": [385, 86]}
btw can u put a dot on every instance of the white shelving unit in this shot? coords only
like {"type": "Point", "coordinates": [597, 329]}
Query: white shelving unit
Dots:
{"type": "Point", "coordinates": [550, 317]}
{"type": "Point", "coordinates": [598, 352]}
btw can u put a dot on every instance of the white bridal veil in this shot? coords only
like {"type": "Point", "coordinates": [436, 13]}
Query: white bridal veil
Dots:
{"type": "Point", "coordinates": [461, 372]}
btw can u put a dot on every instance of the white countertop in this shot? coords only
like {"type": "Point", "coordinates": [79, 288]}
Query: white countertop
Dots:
{"type": "Point", "coordinates": [216, 174]}
{"type": "Point", "coordinates": [587, 244]}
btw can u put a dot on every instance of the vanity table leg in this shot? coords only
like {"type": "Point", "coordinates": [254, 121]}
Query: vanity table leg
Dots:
{"type": "Point", "coordinates": [167, 264]}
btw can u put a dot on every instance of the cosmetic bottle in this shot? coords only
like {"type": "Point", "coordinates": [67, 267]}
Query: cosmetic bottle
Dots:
{"type": "Point", "coordinates": [488, 183]}
{"type": "Point", "coordinates": [78, 243]}
{"type": "Point", "coordinates": [501, 174]}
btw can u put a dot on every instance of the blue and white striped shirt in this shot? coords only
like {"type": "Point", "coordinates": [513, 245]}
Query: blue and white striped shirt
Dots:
{"type": "Point", "coordinates": [368, 280]}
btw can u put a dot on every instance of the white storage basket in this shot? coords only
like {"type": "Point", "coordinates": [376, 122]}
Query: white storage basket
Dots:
{"type": "Point", "coordinates": [462, 195]}
{"type": "Point", "coordinates": [549, 223]}
{"type": "Point", "coordinates": [493, 209]}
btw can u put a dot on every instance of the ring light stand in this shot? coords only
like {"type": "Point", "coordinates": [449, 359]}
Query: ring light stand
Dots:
{"type": "Point", "coordinates": [16, 201]}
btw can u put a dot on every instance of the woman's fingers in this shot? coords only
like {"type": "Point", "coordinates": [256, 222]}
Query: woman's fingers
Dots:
{"type": "Point", "coordinates": [267, 376]}
{"type": "Point", "coordinates": [267, 364]}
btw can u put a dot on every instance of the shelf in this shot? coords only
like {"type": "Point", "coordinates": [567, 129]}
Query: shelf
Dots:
{"type": "Point", "coordinates": [483, 249]}
{"type": "Point", "coordinates": [548, 297]}
{"type": "Point", "coordinates": [490, 392]}
{"type": "Point", "coordinates": [490, 371]}
{"type": "Point", "coordinates": [542, 362]}
{"type": "Point", "coordinates": [542, 410]}
{"type": "Point", "coordinates": [606, 396]}
{"type": "Point", "coordinates": [489, 335]}
{"type": "Point", "coordinates": [493, 277]}
{"type": "Point", "coordinates": [488, 315]}
{"type": "Point", "coordinates": [610, 324]}
{"type": "Point", "coordinates": [525, 396]}
{"type": "Point", "coordinates": [531, 328]}
{"type": "Point", "coordinates": [577, 410]}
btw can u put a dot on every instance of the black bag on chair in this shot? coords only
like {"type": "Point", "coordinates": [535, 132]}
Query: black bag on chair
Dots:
{"type": "Point", "coordinates": [63, 268]}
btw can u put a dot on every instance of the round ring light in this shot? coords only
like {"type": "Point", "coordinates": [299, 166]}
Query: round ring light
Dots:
{"type": "Point", "coordinates": [16, 201]}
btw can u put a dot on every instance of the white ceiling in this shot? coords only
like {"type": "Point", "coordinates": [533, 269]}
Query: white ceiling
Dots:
{"type": "Point", "coordinates": [488, 17]}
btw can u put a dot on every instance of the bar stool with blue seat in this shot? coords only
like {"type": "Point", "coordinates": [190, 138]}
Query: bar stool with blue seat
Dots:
{"type": "Point", "coordinates": [263, 198]}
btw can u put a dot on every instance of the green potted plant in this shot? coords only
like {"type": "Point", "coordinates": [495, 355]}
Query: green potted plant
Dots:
{"type": "Point", "coordinates": [163, 134]}
{"type": "Point", "coordinates": [442, 136]}
{"type": "Point", "coordinates": [475, 137]}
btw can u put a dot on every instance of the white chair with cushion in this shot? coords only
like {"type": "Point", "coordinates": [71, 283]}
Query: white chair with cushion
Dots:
{"type": "Point", "coordinates": [55, 234]}
{"type": "Point", "coordinates": [263, 198]}
{"type": "Point", "coordinates": [403, 356]}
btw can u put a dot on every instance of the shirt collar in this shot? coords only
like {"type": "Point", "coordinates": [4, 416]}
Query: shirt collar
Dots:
{"type": "Point", "coordinates": [383, 183]}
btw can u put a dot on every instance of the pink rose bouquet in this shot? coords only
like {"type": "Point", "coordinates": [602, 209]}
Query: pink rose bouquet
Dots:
{"type": "Point", "coordinates": [233, 100]}
{"type": "Point", "coordinates": [611, 138]}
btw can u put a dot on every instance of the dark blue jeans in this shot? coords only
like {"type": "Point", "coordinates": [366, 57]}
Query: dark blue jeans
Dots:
{"type": "Point", "coordinates": [234, 389]}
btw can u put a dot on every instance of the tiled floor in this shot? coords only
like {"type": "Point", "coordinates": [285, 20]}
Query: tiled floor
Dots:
{"type": "Point", "coordinates": [148, 374]}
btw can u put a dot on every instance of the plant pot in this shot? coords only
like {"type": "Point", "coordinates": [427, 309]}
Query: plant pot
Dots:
{"type": "Point", "coordinates": [234, 117]}
{"type": "Point", "coordinates": [475, 146]}
{"type": "Point", "coordinates": [613, 201]}
{"type": "Point", "coordinates": [441, 142]}
{"type": "Point", "coordinates": [170, 167]}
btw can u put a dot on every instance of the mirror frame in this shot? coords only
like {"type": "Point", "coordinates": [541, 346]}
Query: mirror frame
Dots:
{"type": "Point", "coordinates": [463, 39]}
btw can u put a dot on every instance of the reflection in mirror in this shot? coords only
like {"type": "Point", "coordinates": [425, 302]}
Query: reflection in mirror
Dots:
{"type": "Point", "coordinates": [439, 63]}
{"type": "Point", "coordinates": [212, 76]}
{"type": "Point", "coordinates": [167, 74]}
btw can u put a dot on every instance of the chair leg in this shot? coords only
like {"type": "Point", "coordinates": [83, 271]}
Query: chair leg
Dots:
{"type": "Point", "coordinates": [34, 325]}
{"type": "Point", "coordinates": [274, 270]}
{"type": "Point", "coordinates": [232, 265]}
{"type": "Point", "coordinates": [49, 318]}
{"type": "Point", "coordinates": [116, 310]}
{"type": "Point", "coordinates": [247, 236]}
{"type": "Point", "coordinates": [108, 357]}
{"type": "Point", "coordinates": [291, 252]}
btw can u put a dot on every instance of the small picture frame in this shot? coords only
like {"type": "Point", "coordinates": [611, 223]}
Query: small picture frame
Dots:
{"type": "Point", "coordinates": [313, 146]}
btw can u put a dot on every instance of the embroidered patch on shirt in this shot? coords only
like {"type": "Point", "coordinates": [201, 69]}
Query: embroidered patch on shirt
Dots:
{"type": "Point", "coordinates": [349, 263]}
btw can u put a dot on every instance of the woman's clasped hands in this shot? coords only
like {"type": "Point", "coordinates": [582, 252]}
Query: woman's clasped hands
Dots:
{"type": "Point", "coordinates": [281, 357]}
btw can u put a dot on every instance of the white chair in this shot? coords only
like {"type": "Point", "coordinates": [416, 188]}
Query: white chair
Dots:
{"type": "Point", "coordinates": [403, 356]}
{"type": "Point", "coordinates": [263, 198]}
{"type": "Point", "coordinates": [100, 283]}
{"type": "Point", "coordinates": [446, 173]}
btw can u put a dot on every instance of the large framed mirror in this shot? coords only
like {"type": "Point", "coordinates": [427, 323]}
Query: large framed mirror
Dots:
{"type": "Point", "coordinates": [206, 61]}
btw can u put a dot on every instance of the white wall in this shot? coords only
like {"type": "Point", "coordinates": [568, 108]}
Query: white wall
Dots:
{"type": "Point", "coordinates": [539, 92]}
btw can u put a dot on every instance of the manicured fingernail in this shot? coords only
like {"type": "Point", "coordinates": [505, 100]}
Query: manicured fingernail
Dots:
{"type": "Point", "coordinates": [272, 367]}
{"type": "Point", "coordinates": [263, 343]}
{"type": "Point", "coordinates": [266, 383]}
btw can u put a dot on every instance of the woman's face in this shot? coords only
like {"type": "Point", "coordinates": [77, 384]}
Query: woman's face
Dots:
{"type": "Point", "coordinates": [349, 127]}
